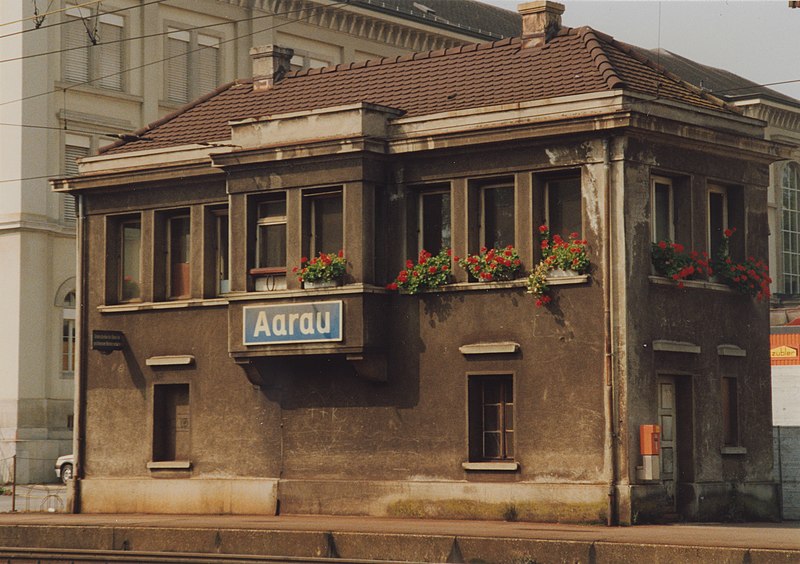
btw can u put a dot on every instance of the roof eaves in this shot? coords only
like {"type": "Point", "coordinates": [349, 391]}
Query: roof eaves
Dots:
{"type": "Point", "coordinates": [636, 54]}
{"type": "Point", "coordinates": [150, 126]}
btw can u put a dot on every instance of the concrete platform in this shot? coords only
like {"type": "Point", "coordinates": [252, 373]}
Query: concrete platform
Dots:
{"type": "Point", "coordinates": [405, 540]}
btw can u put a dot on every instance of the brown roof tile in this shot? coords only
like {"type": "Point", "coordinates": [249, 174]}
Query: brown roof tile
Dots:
{"type": "Point", "coordinates": [575, 61]}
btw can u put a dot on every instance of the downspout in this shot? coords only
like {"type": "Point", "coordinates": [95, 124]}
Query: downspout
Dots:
{"type": "Point", "coordinates": [608, 368]}
{"type": "Point", "coordinates": [79, 408]}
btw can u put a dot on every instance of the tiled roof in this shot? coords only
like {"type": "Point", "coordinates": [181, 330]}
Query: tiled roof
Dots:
{"type": "Point", "coordinates": [575, 61]}
{"type": "Point", "coordinates": [724, 84]}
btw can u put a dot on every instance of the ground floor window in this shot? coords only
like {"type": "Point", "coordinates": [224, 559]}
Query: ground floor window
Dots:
{"type": "Point", "coordinates": [730, 411]}
{"type": "Point", "coordinates": [491, 417]}
{"type": "Point", "coordinates": [171, 422]}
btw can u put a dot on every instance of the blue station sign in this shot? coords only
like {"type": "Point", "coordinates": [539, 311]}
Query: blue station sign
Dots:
{"type": "Point", "coordinates": [313, 322]}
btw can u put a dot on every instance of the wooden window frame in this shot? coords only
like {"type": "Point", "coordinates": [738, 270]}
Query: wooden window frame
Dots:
{"type": "Point", "coordinates": [120, 227]}
{"type": "Point", "coordinates": [421, 195]}
{"type": "Point", "coordinates": [482, 190]}
{"type": "Point", "coordinates": [655, 179]}
{"type": "Point", "coordinates": [476, 425]}
{"type": "Point", "coordinates": [264, 221]}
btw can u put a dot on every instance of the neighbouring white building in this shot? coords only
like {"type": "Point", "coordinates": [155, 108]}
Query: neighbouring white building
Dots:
{"type": "Point", "coordinates": [74, 76]}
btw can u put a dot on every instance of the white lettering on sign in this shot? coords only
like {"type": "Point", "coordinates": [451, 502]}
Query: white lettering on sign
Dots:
{"type": "Point", "coordinates": [319, 321]}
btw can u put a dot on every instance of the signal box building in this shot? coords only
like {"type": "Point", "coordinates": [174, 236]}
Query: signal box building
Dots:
{"type": "Point", "coordinates": [212, 381]}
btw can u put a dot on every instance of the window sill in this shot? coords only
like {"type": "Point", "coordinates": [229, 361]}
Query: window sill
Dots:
{"type": "Point", "coordinates": [490, 466]}
{"type": "Point", "coordinates": [517, 283]}
{"type": "Point", "coordinates": [170, 465]}
{"type": "Point", "coordinates": [96, 90]}
{"type": "Point", "coordinates": [173, 304]}
{"type": "Point", "coordinates": [704, 284]}
{"type": "Point", "coordinates": [732, 450]}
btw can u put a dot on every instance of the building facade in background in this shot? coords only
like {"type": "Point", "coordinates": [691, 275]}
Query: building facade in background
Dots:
{"type": "Point", "coordinates": [85, 72]}
{"type": "Point", "coordinates": [467, 401]}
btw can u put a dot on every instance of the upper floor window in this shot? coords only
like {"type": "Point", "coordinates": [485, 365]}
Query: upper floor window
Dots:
{"type": "Point", "coordinates": [68, 336]}
{"type": "Point", "coordinates": [76, 147]}
{"type": "Point", "coordinates": [323, 219]}
{"type": "Point", "coordinates": [497, 215]}
{"type": "Point", "coordinates": [192, 65]}
{"type": "Point", "coordinates": [725, 211]}
{"type": "Point", "coordinates": [433, 220]}
{"type": "Point", "coordinates": [221, 251]}
{"type": "Point", "coordinates": [178, 250]}
{"type": "Point", "coordinates": [790, 185]}
{"type": "Point", "coordinates": [130, 260]}
{"type": "Point", "coordinates": [269, 256]}
{"type": "Point", "coordinates": [93, 49]}
{"type": "Point", "coordinates": [662, 211]}
{"type": "Point", "coordinates": [562, 203]}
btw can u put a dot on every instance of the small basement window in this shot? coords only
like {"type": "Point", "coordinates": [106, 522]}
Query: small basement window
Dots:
{"type": "Point", "coordinates": [171, 422]}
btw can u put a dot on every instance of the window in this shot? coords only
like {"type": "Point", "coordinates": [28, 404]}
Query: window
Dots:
{"type": "Point", "coordinates": [171, 422]}
{"type": "Point", "coordinates": [563, 205]}
{"type": "Point", "coordinates": [308, 61]}
{"type": "Point", "coordinates": [192, 65]}
{"type": "Point", "coordinates": [491, 418]}
{"type": "Point", "coordinates": [269, 258]}
{"type": "Point", "coordinates": [662, 212]}
{"type": "Point", "coordinates": [221, 250]}
{"type": "Point", "coordinates": [730, 412]}
{"type": "Point", "coordinates": [68, 336]}
{"type": "Point", "coordinates": [790, 184]}
{"type": "Point", "coordinates": [434, 220]}
{"type": "Point", "coordinates": [717, 218]}
{"type": "Point", "coordinates": [178, 249]}
{"type": "Point", "coordinates": [93, 48]}
{"type": "Point", "coordinates": [324, 222]}
{"type": "Point", "coordinates": [130, 260]}
{"type": "Point", "coordinates": [75, 147]}
{"type": "Point", "coordinates": [497, 216]}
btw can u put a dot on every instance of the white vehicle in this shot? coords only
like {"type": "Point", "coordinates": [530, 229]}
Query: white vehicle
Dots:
{"type": "Point", "coordinates": [65, 466]}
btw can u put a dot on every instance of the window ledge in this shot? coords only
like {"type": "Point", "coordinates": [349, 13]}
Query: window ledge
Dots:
{"type": "Point", "coordinates": [170, 465]}
{"type": "Point", "coordinates": [517, 283]}
{"type": "Point", "coordinates": [704, 284]}
{"type": "Point", "coordinates": [732, 450]}
{"type": "Point", "coordinates": [96, 90]}
{"type": "Point", "coordinates": [173, 304]}
{"type": "Point", "coordinates": [491, 466]}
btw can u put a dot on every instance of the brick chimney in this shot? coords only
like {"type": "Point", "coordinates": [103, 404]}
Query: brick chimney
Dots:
{"type": "Point", "coordinates": [541, 20]}
{"type": "Point", "coordinates": [270, 64]}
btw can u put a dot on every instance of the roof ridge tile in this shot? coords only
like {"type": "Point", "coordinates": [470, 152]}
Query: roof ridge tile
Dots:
{"type": "Point", "coordinates": [594, 45]}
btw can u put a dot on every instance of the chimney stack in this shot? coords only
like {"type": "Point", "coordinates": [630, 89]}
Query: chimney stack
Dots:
{"type": "Point", "coordinates": [270, 64]}
{"type": "Point", "coordinates": [541, 20]}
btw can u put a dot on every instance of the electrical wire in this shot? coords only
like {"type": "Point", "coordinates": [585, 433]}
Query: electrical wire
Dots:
{"type": "Point", "coordinates": [336, 6]}
{"type": "Point", "coordinates": [62, 22]}
{"type": "Point", "coordinates": [140, 37]}
{"type": "Point", "coordinates": [68, 7]}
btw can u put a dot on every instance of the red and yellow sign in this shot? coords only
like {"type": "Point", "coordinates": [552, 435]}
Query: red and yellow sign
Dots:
{"type": "Point", "coordinates": [784, 349]}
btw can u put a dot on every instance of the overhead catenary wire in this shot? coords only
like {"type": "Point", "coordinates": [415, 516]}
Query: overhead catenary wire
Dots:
{"type": "Point", "coordinates": [48, 13]}
{"type": "Point", "coordinates": [63, 22]}
{"type": "Point", "coordinates": [335, 5]}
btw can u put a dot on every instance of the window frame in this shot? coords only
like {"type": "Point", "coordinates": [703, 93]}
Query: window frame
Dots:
{"type": "Point", "coordinates": [179, 215]}
{"type": "Point", "coordinates": [483, 189]}
{"type": "Point", "coordinates": [714, 188]}
{"type": "Point", "coordinates": [654, 180]}
{"type": "Point", "coordinates": [68, 334]}
{"type": "Point", "coordinates": [159, 426]}
{"type": "Point", "coordinates": [121, 224]}
{"type": "Point", "coordinates": [195, 43]}
{"type": "Point", "coordinates": [790, 253]}
{"type": "Point", "coordinates": [310, 203]}
{"type": "Point", "coordinates": [266, 221]}
{"type": "Point", "coordinates": [95, 53]}
{"type": "Point", "coordinates": [560, 176]}
{"type": "Point", "coordinates": [476, 430]}
{"type": "Point", "coordinates": [221, 252]}
{"type": "Point", "coordinates": [423, 193]}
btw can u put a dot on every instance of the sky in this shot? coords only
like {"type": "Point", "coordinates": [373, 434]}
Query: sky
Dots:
{"type": "Point", "coordinates": [756, 40]}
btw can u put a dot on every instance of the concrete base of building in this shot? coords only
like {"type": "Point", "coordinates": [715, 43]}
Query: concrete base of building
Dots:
{"type": "Point", "coordinates": [714, 501]}
{"type": "Point", "coordinates": [195, 496]}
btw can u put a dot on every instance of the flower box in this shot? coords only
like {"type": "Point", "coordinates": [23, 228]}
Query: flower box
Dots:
{"type": "Point", "coordinates": [318, 284]}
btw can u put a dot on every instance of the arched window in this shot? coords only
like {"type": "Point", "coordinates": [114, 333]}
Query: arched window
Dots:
{"type": "Point", "coordinates": [68, 336]}
{"type": "Point", "coordinates": [790, 184]}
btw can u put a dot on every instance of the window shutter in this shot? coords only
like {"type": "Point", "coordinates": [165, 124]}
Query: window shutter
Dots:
{"type": "Point", "coordinates": [178, 67]}
{"type": "Point", "coordinates": [207, 72]}
{"type": "Point", "coordinates": [110, 55]}
{"type": "Point", "coordinates": [76, 61]}
{"type": "Point", "coordinates": [71, 154]}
